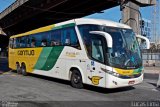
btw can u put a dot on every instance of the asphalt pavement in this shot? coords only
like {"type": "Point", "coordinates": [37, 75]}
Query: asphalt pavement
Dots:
{"type": "Point", "coordinates": [4, 65]}
{"type": "Point", "coordinates": [35, 91]}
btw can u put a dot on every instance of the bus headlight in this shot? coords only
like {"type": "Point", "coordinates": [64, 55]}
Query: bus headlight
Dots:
{"type": "Point", "coordinates": [113, 73]}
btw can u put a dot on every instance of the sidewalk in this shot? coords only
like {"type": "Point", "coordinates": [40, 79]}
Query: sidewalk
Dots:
{"type": "Point", "coordinates": [152, 70]}
{"type": "Point", "coordinates": [151, 73]}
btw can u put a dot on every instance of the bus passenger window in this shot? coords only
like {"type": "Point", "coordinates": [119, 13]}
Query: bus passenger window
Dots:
{"type": "Point", "coordinates": [17, 42]}
{"type": "Point", "coordinates": [11, 43]}
{"type": "Point", "coordinates": [33, 43]}
{"type": "Point", "coordinates": [69, 37]}
{"type": "Point", "coordinates": [56, 38]}
{"type": "Point", "coordinates": [14, 43]}
{"type": "Point", "coordinates": [44, 43]}
{"type": "Point", "coordinates": [23, 42]}
{"type": "Point", "coordinates": [28, 42]}
{"type": "Point", "coordinates": [54, 43]}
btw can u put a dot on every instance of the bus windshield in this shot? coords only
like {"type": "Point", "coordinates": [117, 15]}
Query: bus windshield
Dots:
{"type": "Point", "coordinates": [125, 53]}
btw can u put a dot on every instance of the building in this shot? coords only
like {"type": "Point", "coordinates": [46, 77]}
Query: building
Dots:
{"type": "Point", "coordinates": [145, 26]}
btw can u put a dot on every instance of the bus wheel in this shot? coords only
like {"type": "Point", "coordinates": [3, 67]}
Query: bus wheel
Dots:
{"type": "Point", "coordinates": [18, 68]}
{"type": "Point", "coordinates": [23, 69]}
{"type": "Point", "coordinates": [76, 79]}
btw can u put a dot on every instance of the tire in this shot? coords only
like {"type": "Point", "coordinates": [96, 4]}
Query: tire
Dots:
{"type": "Point", "coordinates": [18, 68]}
{"type": "Point", "coordinates": [23, 69]}
{"type": "Point", "coordinates": [76, 79]}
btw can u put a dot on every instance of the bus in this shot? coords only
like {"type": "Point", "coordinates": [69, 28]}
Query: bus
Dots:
{"type": "Point", "coordinates": [84, 51]}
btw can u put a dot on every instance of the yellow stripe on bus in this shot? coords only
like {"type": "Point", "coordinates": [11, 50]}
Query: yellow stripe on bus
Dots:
{"type": "Point", "coordinates": [24, 55]}
{"type": "Point", "coordinates": [39, 30]}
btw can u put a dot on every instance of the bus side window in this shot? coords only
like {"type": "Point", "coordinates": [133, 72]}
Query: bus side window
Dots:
{"type": "Point", "coordinates": [66, 37]}
{"type": "Point", "coordinates": [45, 41]}
{"type": "Point", "coordinates": [33, 42]}
{"type": "Point", "coordinates": [11, 43]}
{"type": "Point", "coordinates": [14, 43]}
{"type": "Point", "coordinates": [28, 41]}
{"type": "Point", "coordinates": [23, 42]}
{"type": "Point", "coordinates": [74, 39]}
{"type": "Point", "coordinates": [53, 43]}
{"type": "Point", "coordinates": [17, 42]}
{"type": "Point", "coordinates": [69, 37]}
{"type": "Point", "coordinates": [56, 38]}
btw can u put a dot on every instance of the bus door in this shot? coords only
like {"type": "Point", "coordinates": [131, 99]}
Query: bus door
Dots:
{"type": "Point", "coordinates": [97, 75]}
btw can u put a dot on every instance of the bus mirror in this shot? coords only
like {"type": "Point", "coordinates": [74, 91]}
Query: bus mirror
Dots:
{"type": "Point", "coordinates": [147, 42]}
{"type": "Point", "coordinates": [106, 35]}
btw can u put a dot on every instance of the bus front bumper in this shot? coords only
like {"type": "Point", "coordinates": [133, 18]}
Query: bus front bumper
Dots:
{"type": "Point", "coordinates": [115, 82]}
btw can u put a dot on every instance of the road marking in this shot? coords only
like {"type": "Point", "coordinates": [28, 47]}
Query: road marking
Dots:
{"type": "Point", "coordinates": [14, 75]}
{"type": "Point", "coordinates": [9, 73]}
{"type": "Point", "coordinates": [154, 90]}
{"type": "Point", "coordinates": [6, 73]}
{"type": "Point", "coordinates": [3, 73]}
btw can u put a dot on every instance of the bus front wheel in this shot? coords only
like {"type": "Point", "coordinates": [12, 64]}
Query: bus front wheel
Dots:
{"type": "Point", "coordinates": [76, 79]}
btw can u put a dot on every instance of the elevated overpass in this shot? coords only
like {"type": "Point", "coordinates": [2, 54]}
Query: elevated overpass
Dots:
{"type": "Point", "coordinates": [24, 15]}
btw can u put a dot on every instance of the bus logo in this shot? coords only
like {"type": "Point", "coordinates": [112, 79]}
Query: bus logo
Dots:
{"type": "Point", "coordinates": [95, 79]}
{"type": "Point", "coordinates": [26, 52]}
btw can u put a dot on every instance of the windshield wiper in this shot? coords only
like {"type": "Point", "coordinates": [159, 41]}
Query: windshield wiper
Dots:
{"type": "Point", "coordinates": [126, 62]}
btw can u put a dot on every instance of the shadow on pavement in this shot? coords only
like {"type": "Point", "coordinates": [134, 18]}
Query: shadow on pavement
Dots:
{"type": "Point", "coordinates": [87, 87]}
{"type": "Point", "coordinates": [158, 88]}
{"type": "Point", "coordinates": [154, 84]}
{"type": "Point", "coordinates": [105, 90]}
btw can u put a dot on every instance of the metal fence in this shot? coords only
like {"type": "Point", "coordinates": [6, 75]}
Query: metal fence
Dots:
{"type": "Point", "coordinates": [151, 57]}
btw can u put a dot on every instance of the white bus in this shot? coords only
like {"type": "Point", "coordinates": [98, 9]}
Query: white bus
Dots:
{"type": "Point", "coordinates": [84, 51]}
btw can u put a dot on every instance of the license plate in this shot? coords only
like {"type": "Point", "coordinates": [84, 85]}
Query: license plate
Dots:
{"type": "Point", "coordinates": [131, 82]}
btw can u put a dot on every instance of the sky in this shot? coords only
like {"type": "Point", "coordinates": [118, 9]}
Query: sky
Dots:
{"type": "Point", "coordinates": [114, 14]}
{"type": "Point", "coordinates": [5, 3]}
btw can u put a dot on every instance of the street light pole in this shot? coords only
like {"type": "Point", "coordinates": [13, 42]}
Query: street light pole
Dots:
{"type": "Point", "coordinates": [158, 82]}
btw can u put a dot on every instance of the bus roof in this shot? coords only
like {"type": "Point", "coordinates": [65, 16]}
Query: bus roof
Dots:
{"type": "Point", "coordinates": [80, 21]}
{"type": "Point", "coordinates": [101, 22]}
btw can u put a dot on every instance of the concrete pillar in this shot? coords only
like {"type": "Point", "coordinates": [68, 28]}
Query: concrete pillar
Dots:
{"type": "Point", "coordinates": [131, 16]}
{"type": "Point", "coordinates": [1, 32]}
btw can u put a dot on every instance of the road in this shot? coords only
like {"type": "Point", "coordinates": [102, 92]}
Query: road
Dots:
{"type": "Point", "coordinates": [15, 87]}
